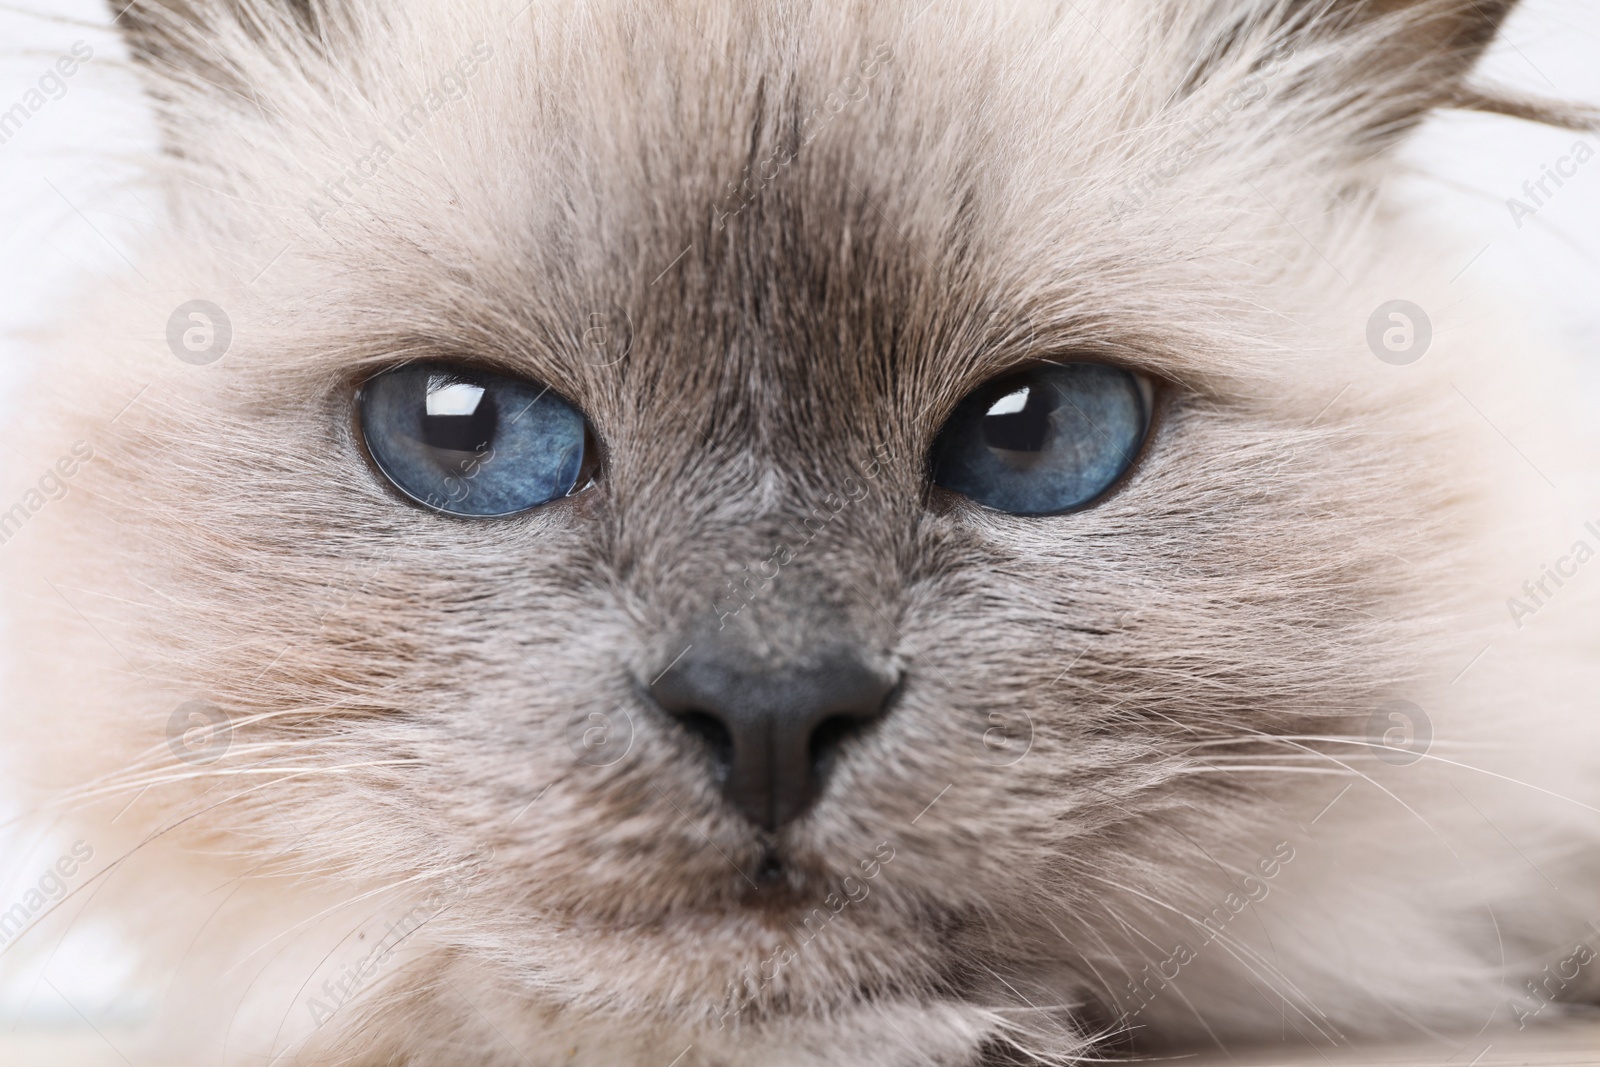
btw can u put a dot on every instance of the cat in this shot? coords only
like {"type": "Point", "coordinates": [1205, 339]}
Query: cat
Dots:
{"type": "Point", "coordinates": [833, 533]}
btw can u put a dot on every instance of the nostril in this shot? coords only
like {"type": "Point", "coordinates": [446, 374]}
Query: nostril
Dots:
{"type": "Point", "coordinates": [829, 737]}
{"type": "Point", "coordinates": [714, 735]}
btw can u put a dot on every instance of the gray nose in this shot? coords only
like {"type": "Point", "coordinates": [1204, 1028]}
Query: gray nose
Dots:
{"type": "Point", "coordinates": [773, 732]}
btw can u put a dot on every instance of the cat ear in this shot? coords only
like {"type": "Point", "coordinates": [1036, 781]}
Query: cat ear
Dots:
{"type": "Point", "coordinates": [196, 56]}
{"type": "Point", "coordinates": [1382, 65]}
{"type": "Point", "coordinates": [182, 34]}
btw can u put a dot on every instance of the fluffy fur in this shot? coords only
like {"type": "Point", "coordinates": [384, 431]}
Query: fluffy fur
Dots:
{"type": "Point", "coordinates": [804, 266]}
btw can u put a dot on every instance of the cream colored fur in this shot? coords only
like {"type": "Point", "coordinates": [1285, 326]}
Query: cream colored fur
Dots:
{"type": "Point", "coordinates": [1194, 662]}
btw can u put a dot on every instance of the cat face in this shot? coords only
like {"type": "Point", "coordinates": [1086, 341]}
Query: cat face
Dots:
{"type": "Point", "coordinates": [742, 685]}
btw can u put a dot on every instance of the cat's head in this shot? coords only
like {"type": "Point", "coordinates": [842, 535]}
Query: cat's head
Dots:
{"type": "Point", "coordinates": [788, 500]}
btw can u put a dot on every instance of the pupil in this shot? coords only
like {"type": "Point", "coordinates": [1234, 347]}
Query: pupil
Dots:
{"type": "Point", "coordinates": [457, 415]}
{"type": "Point", "coordinates": [1019, 421]}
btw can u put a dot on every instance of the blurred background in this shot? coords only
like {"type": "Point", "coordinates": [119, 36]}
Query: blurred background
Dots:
{"type": "Point", "coordinates": [69, 213]}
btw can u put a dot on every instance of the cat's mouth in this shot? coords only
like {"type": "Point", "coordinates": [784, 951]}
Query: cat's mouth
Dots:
{"type": "Point", "coordinates": [775, 883]}
{"type": "Point", "coordinates": [779, 883]}
{"type": "Point", "coordinates": [770, 871]}
{"type": "Point", "coordinates": [784, 882]}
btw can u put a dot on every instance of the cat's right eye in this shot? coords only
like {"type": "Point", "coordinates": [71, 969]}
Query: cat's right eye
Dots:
{"type": "Point", "coordinates": [1045, 441]}
{"type": "Point", "coordinates": [468, 442]}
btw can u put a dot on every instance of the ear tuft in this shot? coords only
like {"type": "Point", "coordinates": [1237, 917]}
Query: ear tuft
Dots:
{"type": "Point", "coordinates": [1501, 101]}
{"type": "Point", "coordinates": [1435, 45]}
{"type": "Point", "coordinates": [1381, 65]}
{"type": "Point", "coordinates": [191, 52]}
{"type": "Point", "coordinates": [175, 32]}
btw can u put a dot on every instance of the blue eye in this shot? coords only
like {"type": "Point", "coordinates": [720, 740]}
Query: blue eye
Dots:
{"type": "Point", "coordinates": [1048, 440]}
{"type": "Point", "coordinates": [467, 442]}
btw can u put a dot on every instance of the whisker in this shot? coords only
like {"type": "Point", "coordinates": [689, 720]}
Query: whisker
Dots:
{"type": "Point", "coordinates": [1239, 951]}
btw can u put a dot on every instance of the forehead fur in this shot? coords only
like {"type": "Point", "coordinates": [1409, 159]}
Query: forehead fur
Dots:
{"type": "Point", "coordinates": [817, 187]}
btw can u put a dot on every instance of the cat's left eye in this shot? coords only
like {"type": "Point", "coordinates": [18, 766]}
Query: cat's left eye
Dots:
{"type": "Point", "coordinates": [1045, 441]}
{"type": "Point", "coordinates": [468, 442]}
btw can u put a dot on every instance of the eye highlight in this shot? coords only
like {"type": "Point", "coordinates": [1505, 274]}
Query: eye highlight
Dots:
{"type": "Point", "coordinates": [1045, 441]}
{"type": "Point", "coordinates": [467, 442]}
